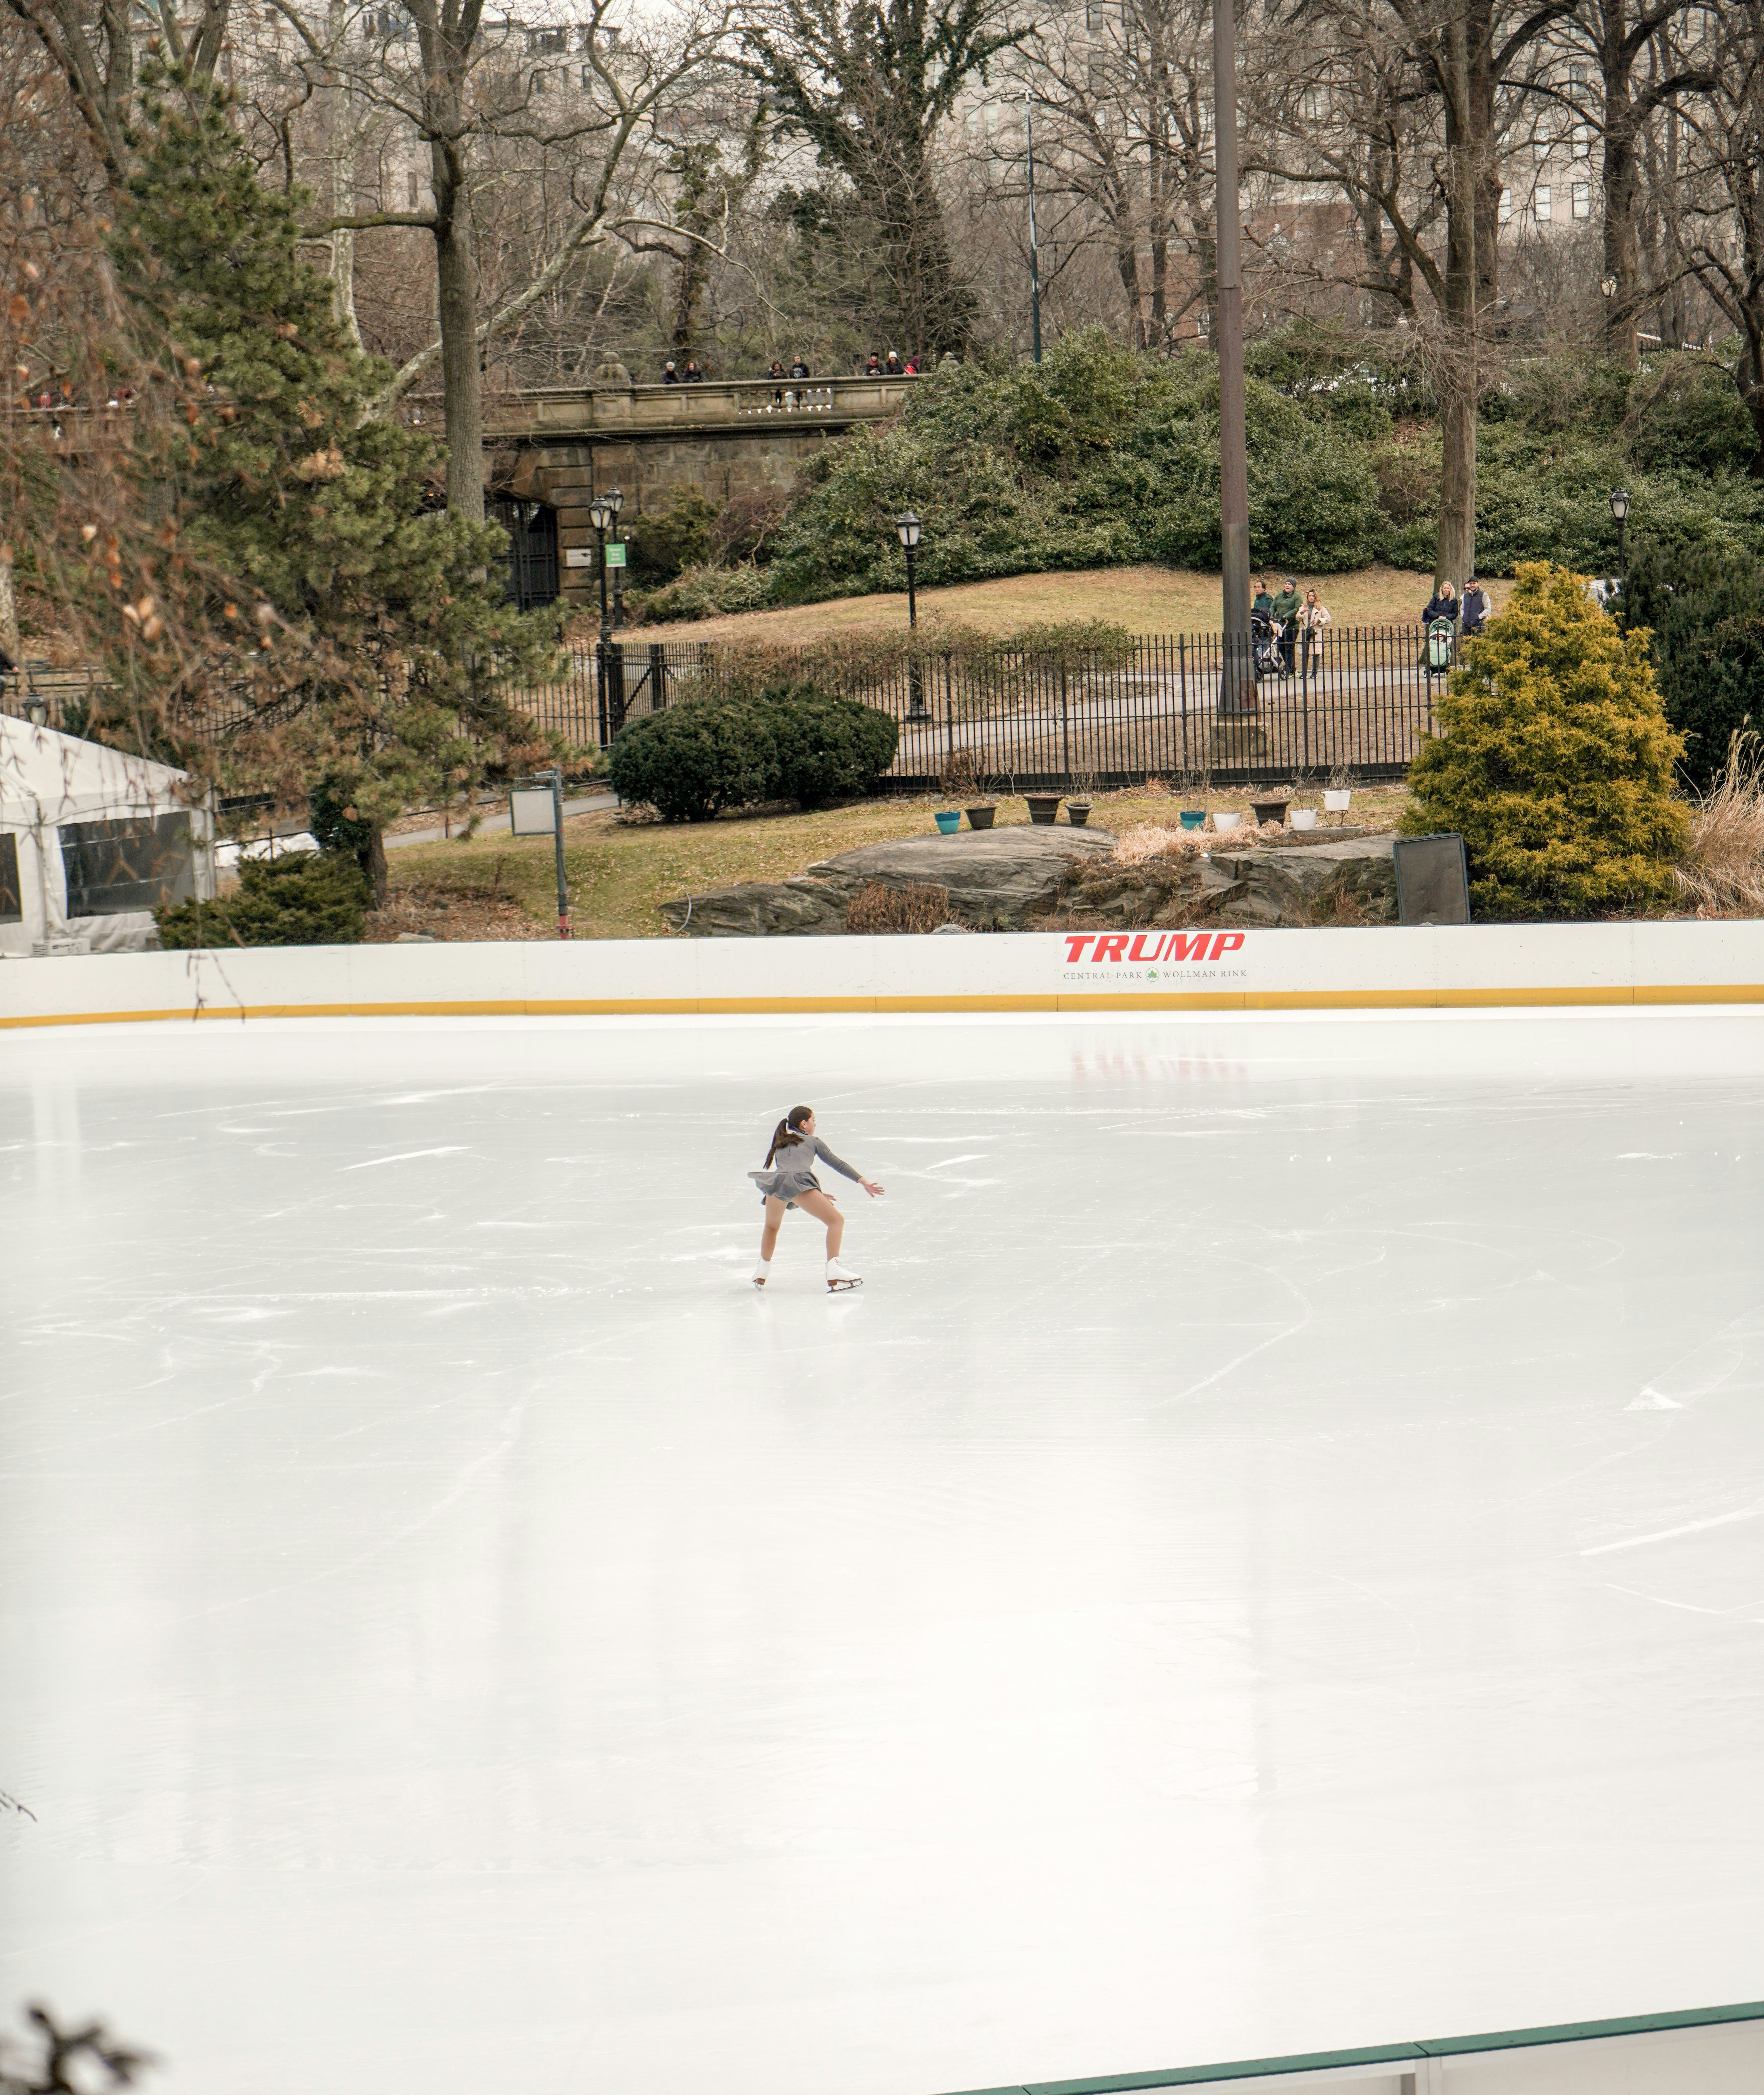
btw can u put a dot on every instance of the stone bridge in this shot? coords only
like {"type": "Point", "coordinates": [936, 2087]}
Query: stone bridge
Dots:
{"type": "Point", "coordinates": [547, 451]}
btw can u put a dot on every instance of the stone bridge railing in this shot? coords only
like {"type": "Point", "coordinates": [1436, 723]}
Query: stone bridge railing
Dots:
{"type": "Point", "coordinates": [744, 405]}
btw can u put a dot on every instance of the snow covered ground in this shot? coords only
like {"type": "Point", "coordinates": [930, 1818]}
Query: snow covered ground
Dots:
{"type": "Point", "coordinates": [1273, 1559]}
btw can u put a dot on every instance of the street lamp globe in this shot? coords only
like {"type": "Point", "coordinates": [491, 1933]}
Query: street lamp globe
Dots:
{"type": "Point", "coordinates": [615, 499]}
{"type": "Point", "coordinates": [1608, 285]}
{"type": "Point", "coordinates": [909, 527]}
{"type": "Point", "coordinates": [600, 512]}
{"type": "Point", "coordinates": [1620, 504]}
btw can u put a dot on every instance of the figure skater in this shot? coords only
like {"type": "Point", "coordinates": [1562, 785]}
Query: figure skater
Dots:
{"type": "Point", "coordinates": [793, 1184]}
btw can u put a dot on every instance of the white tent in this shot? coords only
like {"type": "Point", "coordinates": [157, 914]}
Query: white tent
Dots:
{"type": "Point", "coordinates": [90, 841]}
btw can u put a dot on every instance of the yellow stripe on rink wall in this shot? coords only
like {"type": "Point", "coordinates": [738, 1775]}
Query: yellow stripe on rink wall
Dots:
{"type": "Point", "coordinates": [1482, 967]}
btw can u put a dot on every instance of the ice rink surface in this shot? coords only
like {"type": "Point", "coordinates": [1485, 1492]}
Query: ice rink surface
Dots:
{"type": "Point", "coordinates": [1273, 1558]}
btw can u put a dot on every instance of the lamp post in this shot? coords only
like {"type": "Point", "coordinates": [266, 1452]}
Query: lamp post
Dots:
{"type": "Point", "coordinates": [908, 529]}
{"type": "Point", "coordinates": [536, 809]}
{"type": "Point", "coordinates": [1620, 511]}
{"type": "Point", "coordinates": [601, 512]}
{"type": "Point", "coordinates": [36, 710]}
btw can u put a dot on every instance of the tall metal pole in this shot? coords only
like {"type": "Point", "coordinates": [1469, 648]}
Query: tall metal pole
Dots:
{"type": "Point", "coordinates": [564, 931]}
{"type": "Point", "coordinates": [1035, 252]}
{"type": "Point", "coordinates": [1238, 686]}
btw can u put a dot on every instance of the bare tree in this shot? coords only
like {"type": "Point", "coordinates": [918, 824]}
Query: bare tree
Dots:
{"type": "Point", "coordinates": [1726, 214]}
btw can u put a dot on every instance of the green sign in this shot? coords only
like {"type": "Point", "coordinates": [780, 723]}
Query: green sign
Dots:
{"type": "Point", "coordinates": [615, 555]}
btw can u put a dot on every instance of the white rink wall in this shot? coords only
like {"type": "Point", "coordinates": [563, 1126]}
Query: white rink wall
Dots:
{"type": "Point", "coordinates": [1723, 2055]}
{"type": "Point", "coordinates": [1685, 962]}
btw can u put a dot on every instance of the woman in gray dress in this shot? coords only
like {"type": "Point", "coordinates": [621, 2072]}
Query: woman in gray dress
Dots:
{"type": "Point", "coordinates": [789, 1180]}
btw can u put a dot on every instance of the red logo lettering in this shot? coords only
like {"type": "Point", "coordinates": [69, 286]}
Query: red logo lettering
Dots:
{"type": "Point", "coordinates": [1227, 942]}
{"type": "Point", "coordinates": [1075, 943]}
{"type": "Point", "coordinates": [1136, 951]}
{"type": "Point", "coordinates": [1184, 947]}
{"type": "Point", "coordinates": [1112, 948]}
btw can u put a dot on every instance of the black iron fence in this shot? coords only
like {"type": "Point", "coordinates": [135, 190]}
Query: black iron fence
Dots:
{"type": "Point", "coordinates": [1172, 706]}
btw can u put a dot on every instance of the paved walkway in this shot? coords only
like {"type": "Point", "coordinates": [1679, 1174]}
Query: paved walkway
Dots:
{"type": "Point", "coordinates": [493, 825]}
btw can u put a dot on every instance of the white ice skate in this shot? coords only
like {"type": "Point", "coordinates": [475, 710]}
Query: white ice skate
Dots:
{"type": "Point", "coordinates": [762, 1272]}
{"type": "Point", "coordinates": [841, 1276]}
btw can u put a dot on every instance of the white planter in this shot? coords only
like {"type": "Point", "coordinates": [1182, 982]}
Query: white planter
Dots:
{"type": "Point", "coordinates": [1223, 822]}
{"type": "Point", "coordinates": [1336, 802]}
{"type": "Point", "coordinates": [1304, 818]}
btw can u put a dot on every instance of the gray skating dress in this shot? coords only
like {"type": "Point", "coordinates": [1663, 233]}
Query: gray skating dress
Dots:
{"type": "Point", "coordinates": [793, 1169]}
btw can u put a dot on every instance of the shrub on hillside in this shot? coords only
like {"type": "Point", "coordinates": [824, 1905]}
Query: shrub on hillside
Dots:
{"type": "Point", "coordinates": [304, 898]}
{"type": "Point", "coordinates": [689, 762]}
{"type": "Point", "coordinates": [823, 747]}
{"type": "Point", "coordinates": [750, 741]}
{"type": "Point", "coordinates": [675, 538]}
{"type": "Point", "coordinates": [1555, 762]}
{"type": "Point", "coordinates": [1705, 610]}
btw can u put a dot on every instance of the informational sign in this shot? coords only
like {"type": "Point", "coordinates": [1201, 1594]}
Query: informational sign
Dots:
{"type": "Point", "coordinates": [532, 810]}
{"type": "Point", "coordinates": [615, 554]}
{"type": "Point", "coordinates": [578, 556]}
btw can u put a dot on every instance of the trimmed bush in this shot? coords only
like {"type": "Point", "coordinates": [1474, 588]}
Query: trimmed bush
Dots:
{"type": "Point", "coordinates": [876, 909]}
{"type": "Point", "coordinates": [305, 899]}
{"type": "Point", "coordinates": [1556, 761]}
{"type": "Point", "coordinates": [693, 760]}
{"type": "Point", "coordinates": [825, 748]}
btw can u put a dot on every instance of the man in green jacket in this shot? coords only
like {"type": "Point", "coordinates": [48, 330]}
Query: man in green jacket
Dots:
{"type": "Point", "coordinates": [1285, 613]}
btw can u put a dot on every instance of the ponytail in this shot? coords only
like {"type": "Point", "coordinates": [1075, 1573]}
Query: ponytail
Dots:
{"type": "Point", "coordinates": [784, 1135]}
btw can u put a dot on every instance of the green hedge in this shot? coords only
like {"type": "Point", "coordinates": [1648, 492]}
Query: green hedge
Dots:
{"type": "Point", "coordinates": [1704, 611]}
{"type": "Point", "coordinates": [719, 750]}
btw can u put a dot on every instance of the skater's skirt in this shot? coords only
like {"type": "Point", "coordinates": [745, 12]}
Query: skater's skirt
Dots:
{"type": "Point", "coordinates": [774, 1191]}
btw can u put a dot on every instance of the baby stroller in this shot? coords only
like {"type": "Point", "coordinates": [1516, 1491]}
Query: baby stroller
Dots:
{"type": "Point", "coordinates": [1265, 645]}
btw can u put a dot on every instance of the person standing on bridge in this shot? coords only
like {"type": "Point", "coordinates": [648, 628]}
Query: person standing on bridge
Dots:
{"type": "Point", "coordinates": [669, 375]}
{"type": "Point", "coordinates": [694, 371]}
{"type": "Point", "coordinates": [799, 369]}
{"type": "Point", "coordinates": [893, 368]}
{"type": "Point", "coordinates": [873, 369]}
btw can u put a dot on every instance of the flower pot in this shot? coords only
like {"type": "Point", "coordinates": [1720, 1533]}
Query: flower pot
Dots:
{"type": "Point", "coordinates": [1078, 813]}
{"type": "Point", "coordinates": [1224, 822]}
{"type": "Point", "coordinates": [1193, 817]}
{"type": "Point", "coordinates": [1043, 808]}
{"type": "Point", "coordinates": [1304, 818]}
{"type": "Point", "coordinates": [1269, 811]}
{"type": "Point", "coordinates": [949, 823]}
{"type": "Point", "coordinates": [1336, 799]}
{"type": "Point", "coordinates": [980, 818]}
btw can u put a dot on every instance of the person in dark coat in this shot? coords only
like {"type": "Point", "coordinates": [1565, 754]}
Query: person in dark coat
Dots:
{"type": "Point", "coordinates": [1443, 603]}
{"type": "Point", "coordinates": [874, 368]}
{"type": "Point", "coordinates": [1475, 603]}
{"type": "Point", "coordinates": [1285, 618]}
{"type": "Point", "coordinates": [694, 371]}
{"type": "Point", "coordinates": [669, 375]}
{"type": "Point", "coordinates": [799, 369]}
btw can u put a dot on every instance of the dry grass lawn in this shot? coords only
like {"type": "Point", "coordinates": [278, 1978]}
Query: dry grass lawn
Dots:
{"type": "Point", "coordinates": [621, 873]}
{"type": "Point", "coordinates": [1143, 599]}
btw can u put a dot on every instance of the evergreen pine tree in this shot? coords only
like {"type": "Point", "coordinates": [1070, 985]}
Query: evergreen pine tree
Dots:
{"type": "Point", "coordinates": [368, 617]}
{"type": "Point", "coordinates": [1555, 762]}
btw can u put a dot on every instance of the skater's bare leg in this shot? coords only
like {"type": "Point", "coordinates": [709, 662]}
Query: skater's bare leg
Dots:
{"type": "Point", "coordinates": [824, 1210]}
{"type": "Point", "coordinates": [774, 1216]}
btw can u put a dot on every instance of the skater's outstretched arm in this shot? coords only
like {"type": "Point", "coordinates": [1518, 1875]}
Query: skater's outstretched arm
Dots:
{"type": "Point", "coordinates": [839, 1165]}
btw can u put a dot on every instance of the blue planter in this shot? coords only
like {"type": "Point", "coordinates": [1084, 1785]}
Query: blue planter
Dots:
{"type": "Point", "coordinates": [950, 822]}
{"type": "Point", "coordinates": [1193, 817]}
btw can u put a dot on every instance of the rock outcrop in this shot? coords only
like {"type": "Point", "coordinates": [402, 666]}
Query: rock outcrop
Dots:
{"type": "Point", "coordinates": [998, 880]}
{"type": "Point", "coordinates": [1350, 880]}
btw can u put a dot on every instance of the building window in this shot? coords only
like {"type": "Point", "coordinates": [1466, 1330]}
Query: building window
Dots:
{"type": "Point", "coordinates": [1313, 105]}
{"type": "Point", "coordinates": [1577, 78]}
{"type": "Point", "coordinates": [12, 893]}
{"type": "Point", "coordinates": [1582, 200]}
{"type": "Point", "coordinates": [138, 863]}
{"type": "Point", "coordinates": [1540, 204]}
{"type": "Point", "coordinates": [410, 191]}
{"type": "Point", "coordinates": [1506, 205]}
{"type": "Point", "coordinates": [1541, 149]}
{"type": "Point", "coordinates": [1093, 15]}
{"type": "Point", "coordinates": [1583, 141]}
